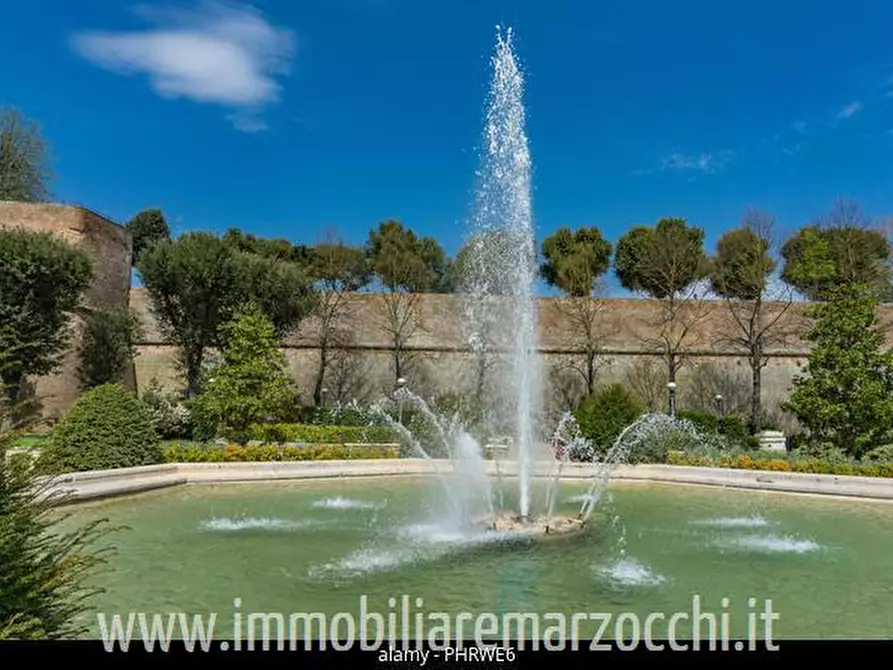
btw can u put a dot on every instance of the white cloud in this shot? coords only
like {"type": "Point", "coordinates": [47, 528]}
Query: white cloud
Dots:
{"type": "Point", "coordinates": [850, 110]}
{"type": "Point", "coordinates": [704, 162]}
{"type": "Point", "coordinates": [799, 127]}
{"type": "Point", "coordinates": [218, 53]}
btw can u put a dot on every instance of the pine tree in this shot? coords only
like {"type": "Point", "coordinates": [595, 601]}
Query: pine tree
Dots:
{"type": "Point", "coordinates": [845, 396]}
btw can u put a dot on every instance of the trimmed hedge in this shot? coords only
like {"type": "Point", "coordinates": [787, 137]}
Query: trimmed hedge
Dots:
{"type": "Point", "coordinates": [106, 428]}
{"type": "Point", "coordinates": [190, 452]}
{"type": "Point", "coordinates": [279, 433]}
{"type": "Point", "coordinates": [811, 466]}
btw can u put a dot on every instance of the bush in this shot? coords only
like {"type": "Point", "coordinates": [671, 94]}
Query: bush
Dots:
{"type": "Point", "coordinates": [107, 427]}
{"type": "Point", "coordinates": [279, 433]}
{"type": "Point", "coordinates": [657, 445]}
{"type": "Point", "coordinates": [252, 383]}
{"type": "Point", "coordinates": [186, 452]}
{"type": "Point", "coordinates": [603, 416]}
{"type": "Point", "coordinates": [882, 454]}
{"type": "Point", "coordinates": [107, 346]}
{"type": "Point", "coordinates": [703, 421]}
{"type": "Point", "coordinates": [170, 415]}
{"type": "Point", "coordinates": [814, 466]}
{"type": "Point", "coordinates": [733, 427]}
{"type": "Point", "coordinates": [336, 416]}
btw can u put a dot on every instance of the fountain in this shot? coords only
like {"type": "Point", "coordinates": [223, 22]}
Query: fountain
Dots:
{"type": "Point", "coordinates": [497, 287]}
{"type": "Point", "coordinates": [498, 272]}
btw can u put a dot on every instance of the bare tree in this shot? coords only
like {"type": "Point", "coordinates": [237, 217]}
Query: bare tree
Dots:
{"type": "Point", "coordinates": [406, 266]}
{"type": "Point", "coordinates": [708, 379]}
{"type": "Point", "coordinates": [339, 271]}
{"type": "Point", "coordinates": [756, 305]}
{"type": "Point", "coordinates": [348, 376]}
{"type": "Point", "coordinates": [645, 377]}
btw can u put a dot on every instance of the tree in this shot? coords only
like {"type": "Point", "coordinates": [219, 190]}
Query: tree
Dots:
{"type": "Point", "coordinates": [280, 249]}
{"type": "Point", "coordinates": [574, 262]}
{"type": "Point", "coordinates": [338, 270]}
{"type": "Point", "coordinates": [845, 396]}
{"type": "Point", "coordinates": [251, 385]}
{"type": "Point", "coordinates": [741, 274]}
{"type": "Point", "coordinates": [666, 263]}
{"type": "Point", "coordinates": [108, 345]}
{"type": "Point", "coordinates": [196, 281]}
{"type": "Point", "coordinates": [281, 288]}
{"type": "Point", "coordinates": [24, 159]}
{"type": "Point", "coordinates": [42, 280]}
{"type": "Point", "coordinates": [406, 266]}
{"type": "Point", "coordinates": [843, 247]}
{"type": "Point", "coordinates": [145, 228]}
{"type": "Point", "coordinates": [192, 283]}
{"type": "Point", "coordinates": [47, 564]}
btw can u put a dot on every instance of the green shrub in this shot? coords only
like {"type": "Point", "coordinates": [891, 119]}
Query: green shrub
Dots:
{"type": "Point", "coordinates": [703, 421]}
{"type": "Point", "coordinates": [603, 416]}
{"type": "Point", "coordinates": [252, 384]}
{"type": "Point", "coordinates": [812, 449]}
{"type": "Point", "coordinates": [880, 454]}
{"type": "Point", "coordinates": [816, 466]}
{"type": "Point", "coordinates": [170, 415]}
{"type": "Point", "coordinates": [656, 446]}
{"type": "Point", "coordinates": [191, 452]}
{"type": "Point", "coordinates": [278, 433]}
{"type": "Point", "coordinates": [336, 416]}
{"type": "Point", "coordinates": [107, 427]}
{"type": "Point", "coordinates": [733, 427]}
{"type": "Point", "coordinates": [107, 346]}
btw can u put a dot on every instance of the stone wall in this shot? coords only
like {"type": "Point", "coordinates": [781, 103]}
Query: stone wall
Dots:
{"type": "Point", "coordinates": [109, 245]}
{"type": "Point", "coordinates": [628, 331]}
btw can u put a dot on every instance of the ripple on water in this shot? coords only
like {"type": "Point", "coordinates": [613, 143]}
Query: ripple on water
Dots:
{"type": "Point", "coordinates": [420, 542]}
{"type": "Point", "coordinates": [229, 525]}
{"type": "Point", "coordinates": [770, 544]}
{"type": "Point", "coordinates": [629, 572]}
{"type": "Point", "coordinates": [340, 502]}
{"type": "Point", "coordinates": [753, 521]}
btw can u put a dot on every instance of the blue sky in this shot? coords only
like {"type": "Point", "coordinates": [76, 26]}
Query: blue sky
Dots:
{"type": "Point", "coordinates": [290, 119]}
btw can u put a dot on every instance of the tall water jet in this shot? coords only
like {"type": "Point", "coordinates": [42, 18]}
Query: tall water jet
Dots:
{"type": "Point", "coordinates": [500, 270]}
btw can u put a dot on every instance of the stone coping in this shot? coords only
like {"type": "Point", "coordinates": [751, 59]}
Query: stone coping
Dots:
{"type": "Point", "coordinates": [84, 486]}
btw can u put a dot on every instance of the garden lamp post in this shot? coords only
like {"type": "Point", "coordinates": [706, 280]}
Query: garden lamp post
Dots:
{"type": "Point", "coordinates": [324, 392]}
{"type": "Point", "coordinates": [720, 409]}
{"type": "Point", "coordinates": [398, 392]}
{"type": "Point", "coordinates": [671, 398]}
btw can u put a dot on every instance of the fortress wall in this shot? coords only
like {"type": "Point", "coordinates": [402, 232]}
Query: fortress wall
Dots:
{"type": "Point", "coordinates": [628, 330]}
{"type": "Point", "coordinates": [109, 245]}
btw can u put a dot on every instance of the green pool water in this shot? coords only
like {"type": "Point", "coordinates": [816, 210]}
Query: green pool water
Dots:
{"type": "Point", "coordinates": [319, 546]}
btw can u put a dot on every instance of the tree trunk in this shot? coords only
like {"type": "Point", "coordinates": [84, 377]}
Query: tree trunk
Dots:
{"type": "Point", "coordinates": [193, 365]}
{"type": "Point", "coordinates": [590, 373]}
{"type": "Point", "coordinates": [398, 364]}
{"type": "Point", "coordinates": [756, 388]}
{"type": "Point", "coordinates": [320, 373]}
{"type": "Point", "coordinates": [672, 367]}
